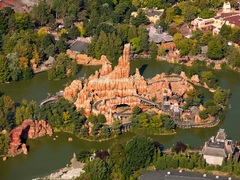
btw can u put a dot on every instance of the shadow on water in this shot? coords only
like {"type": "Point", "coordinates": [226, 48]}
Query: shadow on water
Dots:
{"type": "Point", "coordinates": [143, 68]}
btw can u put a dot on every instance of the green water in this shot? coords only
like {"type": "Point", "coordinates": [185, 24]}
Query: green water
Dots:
{"type": "Point", "coordinates": [46, 155]}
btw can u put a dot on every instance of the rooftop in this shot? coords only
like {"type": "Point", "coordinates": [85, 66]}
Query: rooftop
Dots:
{"type": "Point", "coordinates": [79, 46]}
{"type": "Point", "coordinates": [180, 175]}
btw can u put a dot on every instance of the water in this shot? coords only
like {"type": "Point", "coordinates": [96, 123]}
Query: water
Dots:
{"type": "Point", "coordinates": [46, 156]}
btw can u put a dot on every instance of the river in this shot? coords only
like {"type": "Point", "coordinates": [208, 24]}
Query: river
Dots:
{"type": "Point", "coordinates": [46, 155]}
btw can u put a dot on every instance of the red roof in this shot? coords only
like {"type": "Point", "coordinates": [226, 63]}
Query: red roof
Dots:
{"type": "Point", "coordinates": [234, 20]}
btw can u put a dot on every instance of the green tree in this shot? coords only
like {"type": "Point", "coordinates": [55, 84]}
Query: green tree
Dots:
{"type": "Point", "coordinates": [209, 78]}
{"type": "Point", "coordinates": [116, 127]}
{"type": "Point", "coordinates": [73, 32]}
{"type": "Point", "coordinates": [136, 44]}
{"type": "Point", "coordinates": [156, 122]}
{"type": "Point", "coordinates": [139, 153]}
{"type": "Point", "coordinates": [105, 131]}
{"type": "Point", "coordinates": [4, 69]}
{"type": "Point", "coordinates": [206, 37]}
{"type": "Point", "coordinates": [96, 169]}
{"type": "Point", "coordinates": [221, 96]}
{"type": "Point", "coordinates": [234, 57]}
{"type": "Point", "coordinates": [4, 143]}
{"type": "Point", "coordinates": [216, 48]}
{"type": "Point", "coordinates": [117, 153]}
{"type": "Point", "coordinates": [236, 36]}
{"type": "Point", "coordinates": [203, 114]}
{"type": "Point", "coordinates": [207, 13]}
{"type": "Point", "coordinates": [41, 13]}
{"type": "Point", "coordinates": [136, 110]}
{"type": "Point", "coordinates": [140, 18]}
{"type": "Point", "coordinates": [225, 31]}
{"type": "Point", "coordinates": [83, 156]}
{"type": "Point", "coordinates": [168, 123]}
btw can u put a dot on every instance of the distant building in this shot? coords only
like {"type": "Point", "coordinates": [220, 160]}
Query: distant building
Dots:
{"type": "Point", "coordinates": [152, 14]}
{"type": "Point", "coordinates": [80, 45]}
{"type": "Point", "coordinates": [181, 175]}
{"type": "Point", "coordinates": [157, 37]}
{"type": "Point", "coordinates": [50, 61]}
{"type": "Point", "coordinates": [217, 149]}
{"type": "Point", "coordinates": [227, 15]}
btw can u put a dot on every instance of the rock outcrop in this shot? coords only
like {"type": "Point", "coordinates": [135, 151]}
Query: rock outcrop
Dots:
{"type": "Point", "coordinates": [86, 60]}
{"type": "Point", "coordinates": [28, 129]}
{"type": "Point", "coordinates": [103, 91]}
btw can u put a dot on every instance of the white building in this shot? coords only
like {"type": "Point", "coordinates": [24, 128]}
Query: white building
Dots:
{"type": "Point", "coordinates": [217, 149]}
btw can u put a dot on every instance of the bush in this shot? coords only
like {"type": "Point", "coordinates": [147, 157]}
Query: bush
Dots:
{"type": "Point", "coordinates": [224, 65]}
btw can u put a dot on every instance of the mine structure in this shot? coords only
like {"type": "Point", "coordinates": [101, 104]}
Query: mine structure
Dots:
{"type": "Point", "coordinates": [108, 89]}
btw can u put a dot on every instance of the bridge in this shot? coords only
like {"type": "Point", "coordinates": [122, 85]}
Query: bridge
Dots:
{"type": "Point", "coordinates": [126, 126]}
{"type": "Point", "coordinates": [148, 101]}
{"type": "Point", "coordinates": [52, 99]}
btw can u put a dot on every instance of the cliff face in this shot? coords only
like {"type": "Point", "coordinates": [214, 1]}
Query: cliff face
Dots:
{"type": "Point", "coordinates": [117, 86]}
{"type": "Point", "coordinates": [28, 129]}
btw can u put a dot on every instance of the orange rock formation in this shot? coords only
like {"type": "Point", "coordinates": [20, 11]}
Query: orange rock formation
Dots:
{"type": "Point", "coordinates": [117, 86]}
{"type": "Point", "coordinates": [28, 129]}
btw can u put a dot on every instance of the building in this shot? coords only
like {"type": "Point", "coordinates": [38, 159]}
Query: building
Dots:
{"type": "Point", "coordinates": [158, 37]}
{"type": "Point", "coordinates": [152, 14]}
{"type": "Point", "coordinates": [217, 149]}
{"type": "Point", "coordinates": [181, 175]}
{"type": "Point", "coordinates": [80, 45]}
{"type": "Point", "coordinates": [227, 15]}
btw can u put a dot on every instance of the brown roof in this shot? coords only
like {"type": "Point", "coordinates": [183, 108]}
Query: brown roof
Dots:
{"type": "Point", "coordinates": [234, 20]}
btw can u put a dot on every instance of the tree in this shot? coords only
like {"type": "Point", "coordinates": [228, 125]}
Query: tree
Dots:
{"type": "Point", "coordinates": [234, 57]}
{"type": "Point", "coordinates": [209, 78]}
{"type": "Point", "coordinates": [117, 153]}
{"type": "Point", "coordinates": [185, 46]}
{"type": "Point", "coordinates": [140, 18]}
{"type": "Point", "coordinates": [96, 169]}
{"type": "Point", "coordinates": [7, 110]}
{"type": "Point", "coordinates": [20, 21]}
{"type": "Point", "coordinates": [177, 38]}
{"type": "Point", "coordinates": [116, 127]}
{"type": "Point", "coordinates": [205, 38]}
{"type": "Point", "coordinates": [207, 13]}
{"type": "Point", "coordinates": [225, 31]}
{"type": "Point", "coordinates": [203, 114]}
{"type": "Point", "coordinates": [83, 156]}
{"type": "Point", "coordinates": [4, 143]}
{"type": "Point", "coordinates": [190, 13]}
{"type": "Point", "coordinates": [161, 164]}
{"type": "Point", "coordinates": [216, 48]}
{"type": "Point", "coordinates": [156, 122]}
{"type": "Point", "coordinates": [221, 96]}
{"type": "Point", "coordinates": [101, 118]}
{"type": "Point", "coordinates": [139, 153]}
{"type": "Point", "coordinates": [136, 110]}
{"type": "Point", "coordinates": [105, 131]}
{"type": "Point", "coordinates": [13, 65]}
{"type": "Point", "coordinates": [62, 68]}
{"type": "Point", "coordinates": [179, 147]}
{"type": "Point", "coordinates": [136, 44]}
{"type": "Point", "coordinates": [42, 13]}
{"type": "Point", "coordinates": [236, 36]}
{"type": "Point", "coordinates": [4, 69]}
{"type": "Point", "coordinates": [168, 123]}
{"type": "Point", "coordinates": [73, 32]}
